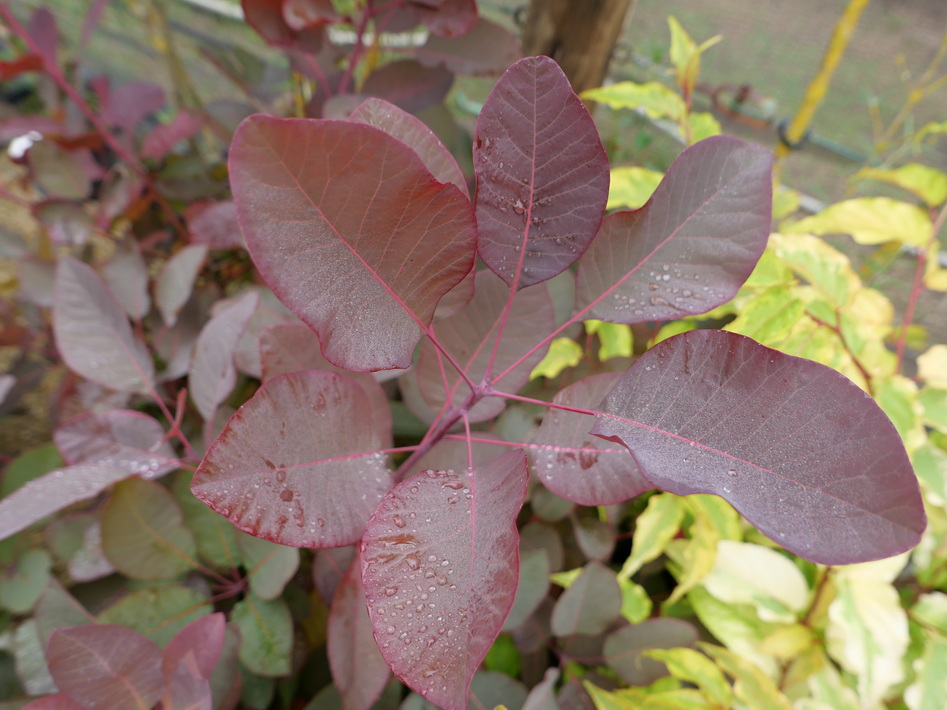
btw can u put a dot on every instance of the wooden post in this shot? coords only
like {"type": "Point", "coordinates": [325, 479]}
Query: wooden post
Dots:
{"type": "Point", "coordinates": [579, 34]}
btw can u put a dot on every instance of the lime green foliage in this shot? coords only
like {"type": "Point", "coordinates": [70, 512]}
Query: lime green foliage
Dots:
{"type": "Point", "coordinates": [563, 354]}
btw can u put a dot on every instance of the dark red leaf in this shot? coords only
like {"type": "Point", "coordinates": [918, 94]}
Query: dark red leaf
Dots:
{"type": "Point", "coordinates": [469, 336]}
{"type": "Point", "coordinates": [203, 640]}
{"type": "Point", "coordinates": [406, 128]}
{"type": "Point", "coordinates": [575, 465]}
{"type": "Point", "coordinates": [693, 244]}
{"type": "Point", "coordinates": [295, 464]}
{"type": "Point", "coordinates": [797, 448]}
{"type": "Point", "coordinates": [465, 55]}
{"type": "Point", "coordinates": [130, 103]}
{"type": "Point", "coordinates": [292, 347]}
{"type": "Point", "coordinates": [590, 604]}
{"type": "Point", "coordinates": [299, 14]}
{"type": "Point", "coordinates": [126, 275]}
{"type": "Point", "coordinates": [106, 666]}
{"type": "Point", "coordinates": [358, 669]}
{"type": "Point", "coordinates": [159, 142]}
{"type": "Point", "coordinates": [623, 648]}
{"type": "Point", "coordinates": [43, 31]}
{"type": "Point", "coordinates": [329, 568]}
{"type": "Point", "coordinates": [60, 701]}
{"type": "Point", "coordinates": [15, 67]}
{"type": "Point", "coordinates": [330, 205]}
{"type": "Point", "coordinates": [542, 174]}
{"type": "Point", "coordinates": [450, 18]}
{"type": "Point", "coordinates": [439, 564]}
{"type": "Point", "coordinates": [409, 85]}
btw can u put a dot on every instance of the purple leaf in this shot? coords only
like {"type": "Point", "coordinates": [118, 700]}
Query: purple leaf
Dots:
{"type": "Point", "coordinates": [465, 55]}
{"type": "Point", "coordinates": [43, 31]}
{"type": "Point", "coordinates": [693, 244]}
{"type": "Point", "coordinates": [203, 640]}
{"type": "Point", "coordinates": [575, 465]}
{"type": "Point", "coordinates": [268, 313]}
{"type": "Point", "coordinates": [543, 695]}
{"type": "Point", "coordinates": [590, 604]}
{"type": "Point", "coordinates": [439, 564]}
{"type": "Point", "coordinates": [186, 692]}
{"type": "Point", "coordinates": [56, 490]}
{"type": "Point", "coordinates": [129, 439]}
{"type": "Point", "coordinates": [411, 131]}
{"type": "Point", "coordinates": [162, 139]}
{"type": "Point", "coordinates": [293, 347]}
{"type": "Point", "coordinates": [409, 85]}
{"type": "Point", "coordinates": [130, 103]}
{"type": "Point", "coordinates": [214, 224]}
{"type": "Point", "coordinates": [37, 279]}
{"type": "Point", "coordinates": [542, 174]}
{"type": "Point", "coordinates": [126, 275]}
{"type": "Point", "coordinates": [450, 18]}
{"type": "Point", "coordinates": [330, 205]}
{"type": "Point", "coordinates": [93, 334]}
{"type": "Point", "coordinates": [295, 464]}
{"type": "Point", "coordinates": [57, 608]}
{"type": "Point", "coordinates": [66, 222]}
{"type": "Point", "coordinates": [469, 336]}
{"type": "Point", "coordinates": [213, 375]}
{"type": "Point", "coordinates": [803, 453]}
{"type": "Point", "coordinates": [299, 14]}
{"type": "Point", "coordinates": [358, 668]}
{"type": "Point", "coordinates": [106, 666]}
{"type": "Point", "coordinates": [175, 282]}
{"type": "Point", "coordinates": [623, 648]}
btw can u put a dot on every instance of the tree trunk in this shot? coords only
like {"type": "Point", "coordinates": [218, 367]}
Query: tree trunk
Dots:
{"type": "Point", "coordinates": [579, 34]}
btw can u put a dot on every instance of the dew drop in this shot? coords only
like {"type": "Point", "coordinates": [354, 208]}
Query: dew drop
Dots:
{"type": "Point", "coordinates": [412, 561]}
{"type": "Point", "coordinates": [320, 522]}
{"type": "Point", "coordinates": [390, 629]}
{"type": "Point", "coordinates": [518, 206]}
{"type": "Point", "coordinates": [429, 573]}
{"type": "Point", "coordinates": [441, 580]}
{"type": "Point", "coordinates": [281, 476]}
{"type": "Point", "coordinates": [399, 521]}
{"type": "Point", "coordinates": [390, 591]}
{"type": "Point", "coordinates": [732, 473]}
{"type": "Point", "coordinates": [454, 485]}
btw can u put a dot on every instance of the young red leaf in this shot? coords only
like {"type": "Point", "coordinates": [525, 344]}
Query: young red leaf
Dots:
{"type": "Point", "coordinates": [295, 464]}
{"type": "Point", "coordinates": [213, 375]}
{"type": "Point", "coordinates": [335, 206]}
{"type": "Point", "coordinates": [214, 224]}
{"type": "Point", "coordinates": [186, 692]}
{"type": "Point", "coordinates": [797, 448]}
{"type": "Point", "coordinates": [129, 439]}
{"type": "Point", "coordinates": [292, 347]}
{"type": "Point", "coordinates": [60, 701]}
{"type": "Point", "coordinates": [175, 282]}
{"type": "Point", "coordinates": [106, 666]}
{"type": "Point", "coordinates": [93, 334]}
{"type": "Point", "coordinates": [161, 140]}
{"type": "Point", "coordinates": [57, 608]}
{"type": "Point", "coordinates": [358, 668]}
{"type": "Point", "coordinates": [693, 244]}
{"type": "Point", "coordinates": [414, 133]}
{"type": "Point", "coordinates": [542, 174]}
{"type": "Point", "coordinates": [126, 275]}
{"type": "Point", "coordinates": [572, 463]}
{"type": "Point", "coordinates": [466, 55]}
{"type": "Point", "coordinates": [439, 563]}
{"type": "Point", "coordinates": [203, 640]}
{"type": "Point", "coordinates": [329, 567]}
{"type": "Point", "coordinates": [130, 103]}
{"type": "Point", "coordinates": [469, 337]}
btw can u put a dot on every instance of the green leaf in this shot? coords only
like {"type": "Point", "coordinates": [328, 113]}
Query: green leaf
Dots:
{"type": "Point", "coordinates": [751, 684]}
{"type": "Point", "coordinates": [158, 612]}
{"type": "Point", "coordinates": [504, 656]}
{"type": "Point", "coordinates": [929, 690]}
{"type": "Point", "coordinates": [745, 573]}
{"type": "Point", "coordinates": [898, 397]}
{"type": "Point", "coordinates": [654, 528]}
{"type": "Point", "coordinates": [821, 265]}
{"type": "Point", "coordinates": [720, 513]}
{"type": "Point", "coordinates": [675, 327]}
{"type": "Point", "coordinates": [616, 339]}
{"type": "Point", "coordinates": [269, 566]}
{"type": "Point", "coordinates": [655, 99]}
{"type": "Point", "coordinates": [21, 584]}
{"type": "Point", "coordinates": [215, 536]}
{"type": "Point", "coordinates": [930, 184]}
{"type": "Point", "coordinates": [934, 405]}
{"type": "Point", "coordinates": [703, 125]}
{"type": "Point", "coordinates": [871, 220]}
{"type": "Point", "coordinates": [631, 187]}
{"type": "Point", "coordinates": [635, 603]}
{"type": "Point", "coordinates": [695, 558]}
{"type": "Point", "coordinates": [28, 466]}
{"type": "Point", "coordinates": [931, 610]}
{"type": "Point", "coordinates": [769, 317]}
{"type": "Point", "coordinates": [563, 353]}
{"type": "Point", "coordinates": [930, 465]}
{"type": "Point", "coordinates": [143, 532]}
{"type": "Point", "coordinates": [693, 667]}
{"type": "Point", "coordinates": [685, 54]}
{"type": "Point", "coordinates": [867, 632]}
{"type": "Point", "coordinates": [267, 631]}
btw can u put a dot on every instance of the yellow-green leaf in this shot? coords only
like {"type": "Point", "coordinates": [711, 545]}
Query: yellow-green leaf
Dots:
{"type": "Point", "coordinates": [823, 266]}
{"type": "Point", "coordinates": [675, 327]}
{"type": "Point", "coordinates": [935, 276]}
{"type": "Point", "coordinates": [693, 667]}
{"type": "Point", "coordinates": [565, 579]}
{"type": "Point", "coordinates": [788, 642]}
{"type": "Point", "coordinates": [934, 405]}
{"type": "Point", "coordinates": [929, 691]}
{"type": "Point", "coordinates": [615, 339]}
{"type": "Point", "coordinates": [563, 353]}
{"type": "Point", "coordinates": [635, 603]}
{"type": "Point", "coordinates": [655, 99]}
{"type": "Point", "coordinates": [695, 558]}
{"type": "Point", "coordinates": [871, 220]}
{"type": "Point", "coordinates": [703, 125]}
{"type": "Point", "coordinates": [655, 527]}
{"type": "Point", "coordinates": [751, 684]}
{"type": "Point", "coordinates": [898, 397]}
{"type": "Point", "coordinates": [785, 202]}
{"type": "Point", "coordinates": [769, 317]}
{"type": "Point", "coordinates": [932, 366]}
{"type": "Point", "coordinates": [685, 54]}
{"type": "Point", "coordinates": [927, 183]}
{"type": "Point", "coordinates": [631, 187]}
